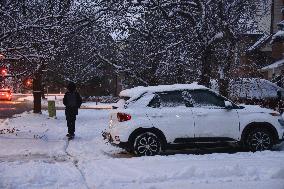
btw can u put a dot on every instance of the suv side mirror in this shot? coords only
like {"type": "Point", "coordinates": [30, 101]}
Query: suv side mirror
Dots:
{"type": "Point", "coordinates": [228, 105]}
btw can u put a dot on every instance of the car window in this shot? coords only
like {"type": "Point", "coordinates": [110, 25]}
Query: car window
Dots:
{"type": "Point", "coordinates": [168, 99]}
{"type": "Point", "coordinates": [141, 100]}
{"type": "Point", "coordinates": [203, 98]}
{"type": "Point", "coordinates": [187, 99]}
{"type": "Point", "coordinates": [155, 102]}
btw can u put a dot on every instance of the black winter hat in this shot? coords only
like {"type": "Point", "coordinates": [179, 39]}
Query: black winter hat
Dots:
{"type": "Point", "coordinates": [71, 87]}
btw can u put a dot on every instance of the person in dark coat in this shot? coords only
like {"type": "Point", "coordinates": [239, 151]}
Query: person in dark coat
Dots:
{"type": "Point", "coordinates": [72, 101]}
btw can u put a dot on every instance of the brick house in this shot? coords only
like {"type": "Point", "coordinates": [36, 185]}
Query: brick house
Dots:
{"type": "Point", "coordinates": [271, 51]}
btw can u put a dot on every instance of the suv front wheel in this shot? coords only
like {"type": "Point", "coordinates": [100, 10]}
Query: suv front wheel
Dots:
{"type": "Point", "coordinates": [147, 144]}
{"type": "Point", "coordinates": [259, 139]}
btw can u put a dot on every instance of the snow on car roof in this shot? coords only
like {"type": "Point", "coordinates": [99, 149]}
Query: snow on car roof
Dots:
{"type": "Point", "coordinates": [137, 91]}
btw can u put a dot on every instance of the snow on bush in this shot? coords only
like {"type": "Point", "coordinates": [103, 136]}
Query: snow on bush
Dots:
{"type": "Point", "coordinates": [250, 88]}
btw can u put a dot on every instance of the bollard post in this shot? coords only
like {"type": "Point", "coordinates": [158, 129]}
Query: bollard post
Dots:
{"type": "Point", "coordinates": [51, 108]}
{"type": "Point", "coordinates": [97, 100]}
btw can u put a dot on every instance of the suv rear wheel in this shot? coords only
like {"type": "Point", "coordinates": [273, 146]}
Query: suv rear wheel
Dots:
{"type": "Point", "coordinates": [147, 144]}
{"type": "Point", "coordinates": [259, 139]}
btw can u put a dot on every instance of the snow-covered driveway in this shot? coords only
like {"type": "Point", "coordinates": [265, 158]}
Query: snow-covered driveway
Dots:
{"type": "Point", "coordinates": [35, 154]}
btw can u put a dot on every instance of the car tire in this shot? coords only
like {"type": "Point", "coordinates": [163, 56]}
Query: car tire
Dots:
{"type": "Point", "coordinates": [259, 139]}
{"type": "Point", "coordinates": [147, 144]}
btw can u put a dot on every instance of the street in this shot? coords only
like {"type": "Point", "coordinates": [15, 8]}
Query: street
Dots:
{"type": "Point", "coordinates": [10, 108]}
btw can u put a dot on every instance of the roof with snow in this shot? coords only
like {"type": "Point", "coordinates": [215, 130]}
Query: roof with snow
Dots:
{"type": "Point", "coordinates": [278, 36]}
{"type": "Point", "coordinates": [137, 91]}
{"type": "Point", "coordinates": [259, 43]}
{"type": "Point", "coordinates": [276, 64]}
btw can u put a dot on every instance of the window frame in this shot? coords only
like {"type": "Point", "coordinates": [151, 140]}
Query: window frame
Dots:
{"type": "Point", "coordinates": [157, 96]}
{"type": "Point", "coordinates": [210, 93]}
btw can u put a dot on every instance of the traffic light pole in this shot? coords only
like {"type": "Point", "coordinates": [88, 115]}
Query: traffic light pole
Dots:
{"type": "Point", "coordinates": [3, 71]}
{"type": "Point", "coordinates": [3, 74]}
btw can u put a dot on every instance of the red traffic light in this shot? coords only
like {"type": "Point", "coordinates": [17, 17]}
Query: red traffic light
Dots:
{"type": "Point", "coordinates": [28, 82]}
{"type": "Point", "coordinates": [3, 71]}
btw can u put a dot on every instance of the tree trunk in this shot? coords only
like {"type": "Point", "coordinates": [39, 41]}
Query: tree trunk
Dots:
{"type": "Point", "coordinates": [224, 79]}
{"type": "Point", "coordinates": [37, 90]}
{"type": "Point", "coordinates": [206, 70]}
{"type": "Point", "coordinates": [224, 87]}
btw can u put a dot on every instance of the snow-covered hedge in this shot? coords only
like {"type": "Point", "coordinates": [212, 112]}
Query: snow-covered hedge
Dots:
{"type": "Point", "coordinates": [102, 99]}
{"type": "Point", "coordinates": [250, 88]}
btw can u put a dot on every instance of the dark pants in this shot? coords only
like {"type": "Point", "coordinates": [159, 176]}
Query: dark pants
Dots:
{"type": "Point", "coordinates": [71, 126]}
{"type": "Point", "coordinates": [71, 113]}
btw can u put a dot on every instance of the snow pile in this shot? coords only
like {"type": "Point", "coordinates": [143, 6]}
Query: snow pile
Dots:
{"type": "Point", "coordinates": [31, 127]}
{"type": "Point", "coordinates": [196, 171]}
{"type": "Point", "coordinates": [40, 174]}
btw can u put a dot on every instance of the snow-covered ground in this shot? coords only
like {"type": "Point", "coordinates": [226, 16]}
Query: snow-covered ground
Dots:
{"type": "Point", "coordinates": [34, 153]}
{"type": "Point", "coordinates": [58, 98]}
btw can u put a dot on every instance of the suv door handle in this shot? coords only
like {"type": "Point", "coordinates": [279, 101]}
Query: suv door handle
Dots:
{"type": "Point", "coordinates": [155, 116]}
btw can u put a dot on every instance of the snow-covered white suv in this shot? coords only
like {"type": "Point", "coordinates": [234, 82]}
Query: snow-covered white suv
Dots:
{"type": "Point", "coordinates": [159, 117]}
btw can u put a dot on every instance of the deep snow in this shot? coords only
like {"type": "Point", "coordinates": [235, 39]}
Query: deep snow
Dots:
{"type": "Point", "coordinates": [37, 155]}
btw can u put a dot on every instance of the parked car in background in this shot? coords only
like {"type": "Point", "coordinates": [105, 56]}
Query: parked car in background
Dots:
{"type": "Point", "coordinates": [5, 94]}
{"type": "Point", "coordinates": [251, 88]}
{"type": "Point", "coordinates": [254, 91]}
{"type": "Point", "coordinates": [153, 119]}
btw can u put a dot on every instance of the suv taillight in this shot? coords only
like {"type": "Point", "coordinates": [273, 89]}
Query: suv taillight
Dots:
{"type": "Point", "coordinates": [123, 117]}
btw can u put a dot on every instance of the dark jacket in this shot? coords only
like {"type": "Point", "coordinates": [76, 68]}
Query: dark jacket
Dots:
{"type": "Point", "coordinates": [72, 101]}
